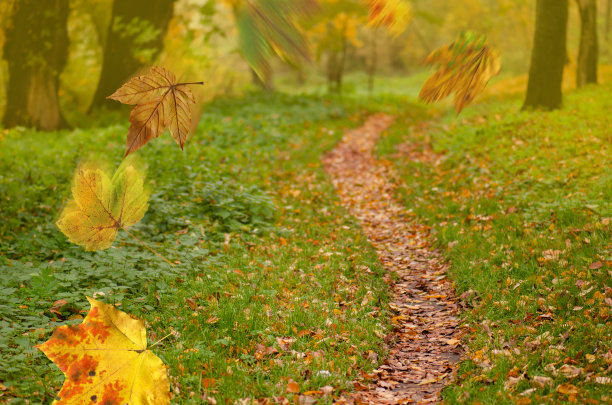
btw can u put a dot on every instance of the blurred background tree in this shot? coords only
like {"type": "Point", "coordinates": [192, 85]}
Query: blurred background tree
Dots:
{"type": "Point", "coordinates": [269, 29]}
{"type": "Point", "coordinates": [588, 52]}
{"type": "Point", "coordinates": [59, 62]}
{"type": "Point", "coordinates": [549, 55]}
{"type": "Point", "coordinates": [134, 39]}
{"type": "Point", "coordinates": [36, 49]}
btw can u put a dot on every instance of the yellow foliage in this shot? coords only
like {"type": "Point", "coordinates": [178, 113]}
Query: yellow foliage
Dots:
{"type": "Point", "coordinates": [102, 205]}
{"type": "Point", "coordinates": [393, 14]}
{"type": "Point", "coordinates": [106, 360]}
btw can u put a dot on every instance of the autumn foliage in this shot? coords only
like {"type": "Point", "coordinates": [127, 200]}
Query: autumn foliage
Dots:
{"type": "Point", "coordinates": [464, 68]}
{"type": "Point", "coordinates": [392, 14]}
{"type": "Point", "coordinates": [102, 205]}
{"type": "Point", "coordinates": [159, 103]}
{"type": "Point", "coordinates": [106, 360]}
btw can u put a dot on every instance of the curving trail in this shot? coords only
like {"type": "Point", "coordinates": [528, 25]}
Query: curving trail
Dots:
{"type": "Point", "coordinates": [424, 347]}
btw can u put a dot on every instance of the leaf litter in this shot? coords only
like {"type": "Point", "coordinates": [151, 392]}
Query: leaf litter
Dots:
{"type": "Point", "coordinates": [425, 345]}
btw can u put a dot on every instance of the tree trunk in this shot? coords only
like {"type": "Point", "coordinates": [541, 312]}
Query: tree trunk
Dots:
{"type": "Point", "coordinates": [129, 50]}
{"type": "Point", "coordinates": [544, 89]}
{"type": "Point", "coordinates": [588, 53]}
{"type": "Point", "coordinates": [373, 60]}
{"type": "Point", "coordinates": [608, 19]}
{"type": "Point", "coordinates": [36, 50]}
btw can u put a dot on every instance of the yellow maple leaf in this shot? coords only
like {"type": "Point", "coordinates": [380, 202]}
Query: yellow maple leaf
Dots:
{"type": "Point", "coordinates": [464, 68]}
{"type": "Point", "coordinates": [102, 205]}
{"type": "Point", "coordinates": [160, 103]}
{"type": "Point", "coordinates": [106, 360]}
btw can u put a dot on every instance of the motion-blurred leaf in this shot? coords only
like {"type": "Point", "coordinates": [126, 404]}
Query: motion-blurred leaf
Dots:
{"type": "Point", "coordinates": [106, 360]}
{"type": "Point", "coordinates": [464, 68]}
{"type": "Point", "coordinates": [392, 14]}
{"type": "Point", "coordinates": [160, 102]}
{"type": "Point", "coordinates": [269, 27]}
{"type": "Point", "coordinates": [103, 205]}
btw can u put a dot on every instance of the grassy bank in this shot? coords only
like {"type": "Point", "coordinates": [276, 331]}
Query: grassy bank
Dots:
{"type": "Point", "coordinates": [273, 281]}
{"type": "Point", "coordinates": [521, 204]}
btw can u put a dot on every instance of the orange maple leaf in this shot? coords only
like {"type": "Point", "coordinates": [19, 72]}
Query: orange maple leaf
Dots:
{"type": "Point", "coordinates": [160, 103]}
{"type": "Point", "coordinates": [106, 360]}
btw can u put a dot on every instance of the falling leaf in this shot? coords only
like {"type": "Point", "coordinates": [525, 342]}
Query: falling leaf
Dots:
{"type": "Point", "coordinates": [160, 102]}
{"type": "Point", "coordinates": [393, 14]}
{"type": "Point", "coordinates": [102, 205]}
{"type": "Point", "coordinates": [268, 28]}
{"type": "Point", "coordinates": [464, 68]}
{"type": "Point", "coordinates": [106, 360]}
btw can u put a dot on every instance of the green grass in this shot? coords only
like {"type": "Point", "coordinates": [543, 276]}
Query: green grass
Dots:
{"type": "Point", "coordinates": [263, 251]}
{"type": "Point", "coordinates": [521, 205]}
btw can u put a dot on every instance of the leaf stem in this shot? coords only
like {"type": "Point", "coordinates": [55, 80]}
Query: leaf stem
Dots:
{"type": "Point", "coordinates": [148, 247]}
{"type": "Point", "coordinates": [159, 341]}
{"type": "Point", "coordinates": [183, 84]}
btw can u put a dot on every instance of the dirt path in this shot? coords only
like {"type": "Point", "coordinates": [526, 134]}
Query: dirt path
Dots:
{"type": "Point", "coordinates": [424, 346]}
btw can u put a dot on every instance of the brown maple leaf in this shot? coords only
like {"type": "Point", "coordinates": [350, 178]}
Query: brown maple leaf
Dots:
{"type": "Point", "coordinates": [160, 102]}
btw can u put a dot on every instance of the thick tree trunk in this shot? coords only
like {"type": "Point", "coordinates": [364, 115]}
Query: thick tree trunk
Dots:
{"type": "Point", "coordinates": [121, 52]}
{"type": "Point", "coordinates": [36, 50]}
{"type": "Point", "coordinates": [544, 89]}
{"type": "Point", "coordinates": [588, 53]}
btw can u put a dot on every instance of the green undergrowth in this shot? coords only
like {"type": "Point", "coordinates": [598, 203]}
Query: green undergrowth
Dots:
{"type": "Point", "coordinates": [273, 281]}
{"type": "Point", "coordinates": [521, 205]}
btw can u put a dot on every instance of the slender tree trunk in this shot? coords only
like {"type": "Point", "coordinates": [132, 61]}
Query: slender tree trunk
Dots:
{"type": "Point", "coordinates": [608, 19]}
{"type": "Point", "coordinates": [36, 50]}
{"type": "Point", "coordinates": [332, 67]}
{"type": "Point", "coordinates": [342, 61]}
{"type": "Point", "coordinates": [588, 54]}
{"type": "Point", "coordinates": [373, 60]}
{"type": "Point", "coordinates": [125, 51]}
{"type": "Point", "coordinates": [544, 89]}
